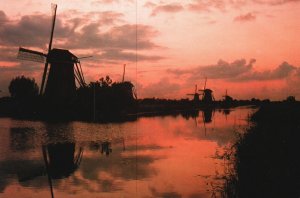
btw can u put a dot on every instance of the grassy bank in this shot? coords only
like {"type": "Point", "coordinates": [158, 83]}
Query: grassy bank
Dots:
{"type": "Point", "coordinates": [267, 157]}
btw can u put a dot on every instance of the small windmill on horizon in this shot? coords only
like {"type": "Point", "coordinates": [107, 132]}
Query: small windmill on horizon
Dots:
{"type": "Point", "coordinates": [58, 81]}
{"type": "Point", "coordinates": [227, 98]}
{"type": "Point", "coordinates": [207, 94]}
{"type": "Point", "coordinates": [195, 95]}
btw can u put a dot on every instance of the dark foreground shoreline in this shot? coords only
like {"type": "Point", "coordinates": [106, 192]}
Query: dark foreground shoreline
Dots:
{"type": "Point", "coordinates": [265, 161]}
{"type": "Point", "coordinates": [111, 111]}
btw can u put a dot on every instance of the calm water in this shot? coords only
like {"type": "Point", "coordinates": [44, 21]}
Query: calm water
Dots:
{"type": "Point", "coordinates": [170, 156]}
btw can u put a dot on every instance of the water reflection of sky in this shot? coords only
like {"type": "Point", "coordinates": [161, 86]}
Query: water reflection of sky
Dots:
{"type": "Point", "coordinates": [170, 156]}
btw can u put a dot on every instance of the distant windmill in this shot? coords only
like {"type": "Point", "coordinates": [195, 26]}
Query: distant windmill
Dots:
{"type": "Point", "coordinates": [207, 95]}
{"type": "Point", "coordinates": [225, 94]}
{"type": "Point", "coordinates": [65, 67]}
{"type": "Point", "coordinates": [196, 94]}
{"type": "Point", "coordinates": [227, 98]}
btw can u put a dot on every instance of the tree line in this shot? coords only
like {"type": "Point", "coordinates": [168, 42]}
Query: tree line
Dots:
{"type": "Point", "coordinates": [101, 99]}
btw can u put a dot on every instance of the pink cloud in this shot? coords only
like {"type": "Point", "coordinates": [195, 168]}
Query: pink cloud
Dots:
{"type": "Point", "coordinates": [207, 5]}
{"type": "Point", "coordinates": [105, 1]}
{"type": "Point", "coordinates": [245, 17]}
{"type": "Point", "coordinates": [275, 2]}
{"type": "Point", "coordinates": [237, 71]}
{"type": "Point", "coordinates": [167, 8]}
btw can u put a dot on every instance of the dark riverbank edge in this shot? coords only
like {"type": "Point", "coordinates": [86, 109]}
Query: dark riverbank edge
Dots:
{"type": "Point", "coordinates": [265, 161]}
{"type": "Point", "coordinates": [112, 111]}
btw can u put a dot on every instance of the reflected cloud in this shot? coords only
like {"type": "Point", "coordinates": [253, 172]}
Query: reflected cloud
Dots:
{"type": "Point", "coordinates": [25, 170]}
{"type": "Point", "coordinates": [171, 194]}
{"type": "Point", "coordinates": [118, 166]}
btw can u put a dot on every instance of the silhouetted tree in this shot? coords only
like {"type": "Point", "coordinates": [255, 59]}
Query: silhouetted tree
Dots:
{"type": "Point", "coordinates": [105, 98]}
{"type": "Point", "coordinates": [23, 88]}
{"type": "Point", "coordinates": [105, 82]}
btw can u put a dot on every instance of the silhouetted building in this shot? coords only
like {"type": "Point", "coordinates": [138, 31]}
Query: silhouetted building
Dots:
{"type": "Point", "coordinates": [60, 86]}
{"type": "Point", "coordinates": [207, 96]}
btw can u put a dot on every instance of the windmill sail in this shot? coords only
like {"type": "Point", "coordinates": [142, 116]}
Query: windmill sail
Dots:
{"type": "Point", "coordinates": [31, 55]}
{"type": "Point", "coordinates": [79, 75]}
{"type": "Point", "coordinates": [54, 8]}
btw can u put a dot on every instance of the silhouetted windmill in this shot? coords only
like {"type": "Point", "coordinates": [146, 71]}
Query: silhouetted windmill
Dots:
{"type": "Point", "coordinates": [196, 95]}
{"type": "Point", "coordinates": [227, 98]}
{"type": "Point", "coordinates": [65, 67]}
{"type": "Point", "coordinates": [131, 90]}
{"type": "Point", "coordinates": [207, 95]}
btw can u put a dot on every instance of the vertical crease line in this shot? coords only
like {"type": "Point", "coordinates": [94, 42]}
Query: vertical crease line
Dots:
{"type": "Point", "coordinates": [136, 81]}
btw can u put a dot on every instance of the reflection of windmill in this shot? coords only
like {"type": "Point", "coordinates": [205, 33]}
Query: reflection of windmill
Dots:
{"type": "Point", "coordinates": [207, 96]}
{"type": "Point", "coordinates": [60, 161]}
{"type": "Point", "coordinates": [207, 115]}
{"type": "Point", "coordinates": [196, 94]}
{"type": "Point", "coordinates": [59, 82]}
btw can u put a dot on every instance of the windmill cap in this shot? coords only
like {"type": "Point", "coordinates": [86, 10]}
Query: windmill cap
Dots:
{"type": "Point", "coordinates": [61, 55]}
{"type": "Point", "coordinates": [208, 90]}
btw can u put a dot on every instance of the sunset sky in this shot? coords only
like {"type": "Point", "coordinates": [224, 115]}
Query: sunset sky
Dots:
{"type": "Point", "coordinates": [250, 47]}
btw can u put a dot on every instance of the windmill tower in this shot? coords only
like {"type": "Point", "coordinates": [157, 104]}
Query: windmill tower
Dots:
{"type": "Point", "coordinates": [58, 84]}
{"type": "Point", "coordinates": [196, 95]}
{"type": "Point", "coordinates": [207, 94]}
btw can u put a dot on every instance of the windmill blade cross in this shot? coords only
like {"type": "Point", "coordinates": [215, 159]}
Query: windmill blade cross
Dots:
{"type": "Point", "coordinates": [31, 55]}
